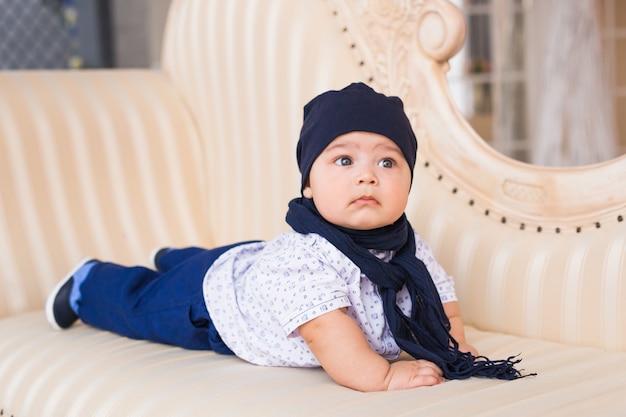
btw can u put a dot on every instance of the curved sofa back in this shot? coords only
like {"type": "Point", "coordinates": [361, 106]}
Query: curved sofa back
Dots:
{"type": "Point", "coordinates": [92, 163]}
{"type": "Point", "coordinates": [535, 252]}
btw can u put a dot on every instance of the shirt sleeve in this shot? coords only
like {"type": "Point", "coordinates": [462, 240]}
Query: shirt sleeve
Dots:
{"type": "Point", "coordinates": [307, 284]}
{"type": "Point", "coordinates": [443, 281]}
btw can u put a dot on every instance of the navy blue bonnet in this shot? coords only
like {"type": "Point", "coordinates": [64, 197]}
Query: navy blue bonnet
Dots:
{"type": "Point", "coordinates": [355, 108]}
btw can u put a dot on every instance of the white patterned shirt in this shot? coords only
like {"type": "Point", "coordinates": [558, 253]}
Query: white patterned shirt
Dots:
{"type": "Point", "coordinates": [258, 294]}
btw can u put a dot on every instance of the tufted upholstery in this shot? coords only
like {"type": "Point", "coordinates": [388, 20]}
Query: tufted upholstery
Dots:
{"type": "Point", "coordinates": [113, 163]}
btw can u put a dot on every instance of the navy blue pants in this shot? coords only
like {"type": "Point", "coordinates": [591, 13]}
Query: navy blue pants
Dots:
{"type": "Point", "coordinates": [165, 306]}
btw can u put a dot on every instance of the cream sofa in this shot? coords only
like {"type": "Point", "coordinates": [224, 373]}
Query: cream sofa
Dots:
{"type": "Point", "coordinates": [114, 163]}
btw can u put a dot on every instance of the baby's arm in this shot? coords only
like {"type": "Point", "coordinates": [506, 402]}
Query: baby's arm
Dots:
{"type": "Point", "coordinates": [340, 346]}
{"type": "Point", "coordinates": [457, 330]}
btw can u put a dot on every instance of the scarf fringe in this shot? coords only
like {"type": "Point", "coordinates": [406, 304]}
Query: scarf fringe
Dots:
{"type": "Point", "coordinates": [481, 366]}
{"type": "Point", "coordinates": [423, 343]}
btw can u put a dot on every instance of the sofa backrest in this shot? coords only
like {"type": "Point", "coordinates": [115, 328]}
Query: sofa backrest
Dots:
{"type": "Point", "coordinates": [535, 252]}
{"type": "Point", "coordinates": [113, 163]}
{"type": "Point", "coordinates": [100, 163]}
{"type": "Point", "coordinates": [247, 69]}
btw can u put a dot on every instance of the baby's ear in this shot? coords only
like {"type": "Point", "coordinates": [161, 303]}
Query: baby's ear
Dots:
{"type": "Point", "coordinates": [307, 192]}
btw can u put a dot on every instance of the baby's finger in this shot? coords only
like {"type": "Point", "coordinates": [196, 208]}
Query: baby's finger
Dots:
{"type": "Point", "coordinates": [427, 365]}
{"type": "Point", "coordinates": [425, 381]}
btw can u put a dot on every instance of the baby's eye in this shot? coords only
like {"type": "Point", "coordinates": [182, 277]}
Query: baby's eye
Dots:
{"type": "Point", "coordinates": [386, 163]}
{"type": "Point", "coordinates": [343, 161]}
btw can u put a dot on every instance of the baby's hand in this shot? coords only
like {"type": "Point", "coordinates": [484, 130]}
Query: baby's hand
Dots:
{"type": "Point", "coordinates": [413, 374]}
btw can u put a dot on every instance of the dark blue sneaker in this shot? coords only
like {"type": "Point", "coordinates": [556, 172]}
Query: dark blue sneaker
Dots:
{"type": "Point", "coordinates": [58, 310]}
{"type": "Point", "coordinates": [156, 255]}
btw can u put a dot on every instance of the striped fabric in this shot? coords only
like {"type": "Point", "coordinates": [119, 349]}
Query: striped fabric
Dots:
{"type": "Point", "coordinates": [246, 69]}
{"type": "Point", "coordinates": [86, 372]}
{"type": "Point", "coordinates": [100, 163]}
{"type": "Point", "coordinates": [566, 287]}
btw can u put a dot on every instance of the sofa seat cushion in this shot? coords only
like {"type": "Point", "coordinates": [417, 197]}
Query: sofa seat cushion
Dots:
{"type": "Point", "coordinates": [84, 371]}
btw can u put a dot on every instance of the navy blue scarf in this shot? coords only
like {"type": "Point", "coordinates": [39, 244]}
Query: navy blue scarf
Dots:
{"type": "Point", "coordinates": [425, 333]}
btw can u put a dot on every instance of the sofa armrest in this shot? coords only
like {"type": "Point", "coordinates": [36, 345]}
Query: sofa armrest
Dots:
{"type": "Point", "coordinates": [99, 163]}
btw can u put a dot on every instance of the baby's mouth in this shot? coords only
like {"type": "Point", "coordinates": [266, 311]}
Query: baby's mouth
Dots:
{"type": "Point", "coordinates": [366, 199]}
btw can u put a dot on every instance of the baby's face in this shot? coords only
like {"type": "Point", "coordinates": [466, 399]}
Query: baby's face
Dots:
{"type": "Point", "coordinates": [360, 181]}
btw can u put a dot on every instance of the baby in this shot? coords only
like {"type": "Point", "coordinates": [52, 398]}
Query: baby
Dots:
{"type": "Point", "coordinates": [349, 288]}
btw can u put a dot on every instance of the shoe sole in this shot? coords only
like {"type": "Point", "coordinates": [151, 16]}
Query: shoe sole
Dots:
{"type": "Point", "coordinates": [52, 296]}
